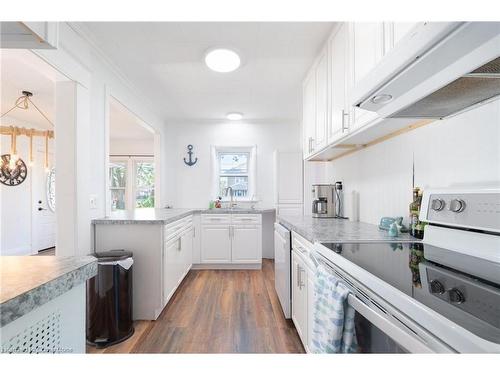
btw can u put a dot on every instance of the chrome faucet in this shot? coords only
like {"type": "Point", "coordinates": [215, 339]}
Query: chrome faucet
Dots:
{"type": "Point", "coordinates": [233, 203]}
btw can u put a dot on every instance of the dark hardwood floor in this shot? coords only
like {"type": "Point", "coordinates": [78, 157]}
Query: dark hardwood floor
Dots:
{"type": "Point", "coordinates": [218, 311]}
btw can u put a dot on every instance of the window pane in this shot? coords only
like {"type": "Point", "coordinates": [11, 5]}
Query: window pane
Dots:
{"type": "Point", "coordinates": [239, 184]}
{"type": "Point", "coordinates": [145, 174]}
{"type": "Point", "coordinates": [145, 197]}
{"type": "Point", "coordinates": [118, 174]}
{"type": "Point", "coordinates": [117, 199]}
{"type": "Point", "coordinates": [233, 163]}
{"type": "Point", "coordinates": [145, 183]}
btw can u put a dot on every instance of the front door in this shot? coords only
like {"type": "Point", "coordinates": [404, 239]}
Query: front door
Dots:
{"type": "Point", "coordinates": [43, 234]}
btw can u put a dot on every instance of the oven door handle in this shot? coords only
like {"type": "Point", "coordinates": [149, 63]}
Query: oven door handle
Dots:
{"type": "Point", "coordinates": [404, 337]}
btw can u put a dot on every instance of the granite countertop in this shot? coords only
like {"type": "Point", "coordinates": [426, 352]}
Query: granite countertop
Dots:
{"type": "Point", "coordinates": [168, 215]}
{"type": "Point", "coordinates": [27, 282]}
{"type": "Point", "coordinates": [339, 230]}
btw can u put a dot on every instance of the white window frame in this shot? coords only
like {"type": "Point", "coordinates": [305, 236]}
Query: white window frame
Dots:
{"type": "Point", "coordinates": [252, 171]}
{"type": "Point", "coordinates": [130, 185]}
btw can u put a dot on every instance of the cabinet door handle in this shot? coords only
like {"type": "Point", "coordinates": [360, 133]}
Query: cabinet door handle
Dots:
{"type": "Point", "coordinates": [179, 247]}
{"type": "Point", "coordinates": [344, 127]}
{"type": "Point", "coordinates": [298, 276]}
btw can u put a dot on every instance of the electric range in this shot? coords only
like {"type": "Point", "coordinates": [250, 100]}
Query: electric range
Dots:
{"type": "Point", "coordinates": [454, 271]}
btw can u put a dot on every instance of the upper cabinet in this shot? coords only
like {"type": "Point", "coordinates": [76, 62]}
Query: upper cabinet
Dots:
{"type": "Point", "coordinates": [353, 50]}
{"type": "Point", "coordinates": [321, 73]}
{"type": "Point", "coordinates": [395, 31]}
{"type": "Point", "coordinates": [309, 113]}
{"type": "Point", "coordinates": [339, 62]}
{"type": "Point", "coordinates": [367, 48]}
{"type": "Point", "coordinates": [29, 35]}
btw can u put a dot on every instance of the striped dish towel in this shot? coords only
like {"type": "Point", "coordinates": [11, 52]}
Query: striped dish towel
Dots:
{"type": "Point", "coordinates": [333, 326]}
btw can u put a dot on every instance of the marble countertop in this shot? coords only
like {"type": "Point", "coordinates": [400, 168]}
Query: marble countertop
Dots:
{"type": "Point", "coordinates": [168, 215]}
{"type": "Point", "coordinates": [339, 230]}
{"type": "Point", "coordinates": [27, 282]}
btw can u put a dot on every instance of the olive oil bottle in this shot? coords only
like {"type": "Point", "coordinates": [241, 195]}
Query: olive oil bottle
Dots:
{"type": "Point", "coordinates": [416, 226]}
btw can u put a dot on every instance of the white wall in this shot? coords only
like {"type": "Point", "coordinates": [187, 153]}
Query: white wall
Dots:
{"type": "Point", "coordinates": [193, 183]}
{"type": "Point", "coordinates": [16, 202]}
{"type": "Point", "coordinates": [80, 61]}
{"type": "Point", "coordinates": [462, 150]}
{"type": "Point", "coordinates": [124, 146]}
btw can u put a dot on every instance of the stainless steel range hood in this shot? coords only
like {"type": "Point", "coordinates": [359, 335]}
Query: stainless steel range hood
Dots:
{"type": "Point", "coordinates": [439, 69]}
{"type": "Point", "coordinates": [475, 87]}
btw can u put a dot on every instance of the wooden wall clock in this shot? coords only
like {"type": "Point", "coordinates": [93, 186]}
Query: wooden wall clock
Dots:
{"type": "Point", "coordinates": [15, 176]}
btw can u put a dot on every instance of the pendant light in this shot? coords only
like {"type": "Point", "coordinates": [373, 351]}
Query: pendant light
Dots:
{"type": "Point", "coordinates": [24, 102]}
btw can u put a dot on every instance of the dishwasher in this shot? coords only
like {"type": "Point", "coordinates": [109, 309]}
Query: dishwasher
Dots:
{"type": "Point", "coordinates": [282, 275]}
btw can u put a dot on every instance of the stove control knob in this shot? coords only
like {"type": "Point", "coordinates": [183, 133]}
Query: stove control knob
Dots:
{"type": "Point", "coordinates": [456, 296]}
{"type": "Point", "coordinates": [437, 287]}
{"type": "Point", "coordinates": [457, 205]}
{"type": "Point", "coordinates": [437, 204]}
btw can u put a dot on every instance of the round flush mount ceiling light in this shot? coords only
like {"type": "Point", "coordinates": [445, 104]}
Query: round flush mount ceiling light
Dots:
{"type": "Point", "coordinates": [222, 60]}
{"type": "Point", "coordinates": [234, 116]}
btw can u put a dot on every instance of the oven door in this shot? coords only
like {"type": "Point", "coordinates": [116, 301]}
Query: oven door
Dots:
{"type": "Point", "coordinates": [376, 332]}
{"type": "Point", "coordinates": [380, 328]}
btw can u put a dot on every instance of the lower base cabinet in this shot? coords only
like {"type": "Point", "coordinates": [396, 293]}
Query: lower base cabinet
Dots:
{"type": "Point", "coordinates": [177, 256]}
{"type": "Point", "coordinates": [215, 244]}
{"type": "Point", "coordinates": [232, 239]}
{"type": "Point", "coordinates": [303, 289]}
{"type": "Point", "coordinates": [299, 296]}
{"type": "Point", "coordinates": [246, 244]}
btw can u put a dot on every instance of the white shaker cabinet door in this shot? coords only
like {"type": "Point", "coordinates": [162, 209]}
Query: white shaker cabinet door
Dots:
{"type": "Point", "coordinates": [170, 269]}
{"type": "Point", "coordinates": [186, 252]}
{"type": "Point", "coordinates": [321, 95]}
{"type": "Point", "coordinates": [339, 109]}
{"type": "Point", "coordinates": [215, 244]}
{"type": "Point", "coordinates": [246, 244]}
{"type": "Point", "coordinates": [309, 113]}
{"type": "Point", "coordinates": [299, 297]}
{"type": "Point", "coordinates": [367, 48]}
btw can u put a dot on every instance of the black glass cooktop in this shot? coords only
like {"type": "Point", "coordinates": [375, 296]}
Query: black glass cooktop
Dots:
{"type": "Point", "coordinates": [405, 267]}
{"type": "Point", "coordinates": [395, 263]}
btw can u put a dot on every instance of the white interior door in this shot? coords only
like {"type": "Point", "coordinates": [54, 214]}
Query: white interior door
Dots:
{"type": "Point", "coordinates": [43, 232]}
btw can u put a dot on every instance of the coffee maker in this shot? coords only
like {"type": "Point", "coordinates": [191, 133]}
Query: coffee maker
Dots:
{"type": "Point", "coordinates": [324, 201]}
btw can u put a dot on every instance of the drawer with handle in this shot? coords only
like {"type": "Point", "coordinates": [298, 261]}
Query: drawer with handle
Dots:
{"type": "Point", "coordinates": [247, 219]}
{"type": "Point", "coordinates": [215, 219]}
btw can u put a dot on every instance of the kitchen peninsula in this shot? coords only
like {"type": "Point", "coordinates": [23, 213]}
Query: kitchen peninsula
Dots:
{"type": "Point", "coordinates": [42, 303]}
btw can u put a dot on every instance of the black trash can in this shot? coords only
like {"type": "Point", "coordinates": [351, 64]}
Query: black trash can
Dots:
{"type": "Point", "coordinates": [109, 299]}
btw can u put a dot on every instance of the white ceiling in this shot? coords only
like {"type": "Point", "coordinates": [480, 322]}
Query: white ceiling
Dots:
{"type": "Point", "coordinates": [123, 124]}
{"type": "Point", "coordinates": [164, 60]}
{"type": "Point", "coordinates": [22, 70]}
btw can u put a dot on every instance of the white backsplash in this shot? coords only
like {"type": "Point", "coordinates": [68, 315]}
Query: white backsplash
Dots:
{"type": "Point", "coordinates": [461, 150]}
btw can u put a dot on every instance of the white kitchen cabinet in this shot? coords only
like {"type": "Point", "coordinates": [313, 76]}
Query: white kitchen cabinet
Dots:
{"type": "Point", "coordinates": [338, 124]}
{"type": "Point", "coordinates": [321, 94]}
{"type": "Point", "coordinates": [170, 268]}
{"type": "Point", "coordinates": [187, 242]}
{"type": "Point", "coordinates": [366, 49]}
{"type": "Point", "coordinates": [299, 296]}
{"type": "Point", "coordinates": [309, 113]}
{"type": "Point", "coordinates": [215, 243]}
{"type": "Point", "coordinates": [290, 209]}
{"type": "Point", "coordinates": [236, 240]}
{"type": "Point", "coordinates": [288, 182]}
{"type": "Point", "coordinates": [311, 300]}
{"type": "Point", "coordinates": [246, 244]}
{"type": "Point", "coordinates": [396, 31]}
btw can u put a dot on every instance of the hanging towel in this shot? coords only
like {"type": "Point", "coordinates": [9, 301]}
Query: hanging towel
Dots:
{"type": "Point", "coordinates": [333, 325]}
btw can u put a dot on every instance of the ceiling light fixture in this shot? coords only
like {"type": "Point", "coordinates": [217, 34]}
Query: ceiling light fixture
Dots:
{"type": "Point", "coordinates": [234, 116]}
{"type": "Point", "coordinates": [222, 60]}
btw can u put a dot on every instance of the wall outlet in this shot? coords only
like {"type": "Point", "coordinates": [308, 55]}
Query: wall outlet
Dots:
{"type": "Point", "coordinates": [93, 201]}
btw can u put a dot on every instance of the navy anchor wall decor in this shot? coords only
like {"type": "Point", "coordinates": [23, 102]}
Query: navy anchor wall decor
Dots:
{"type": "Point", "coordinates": [190, 162]}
